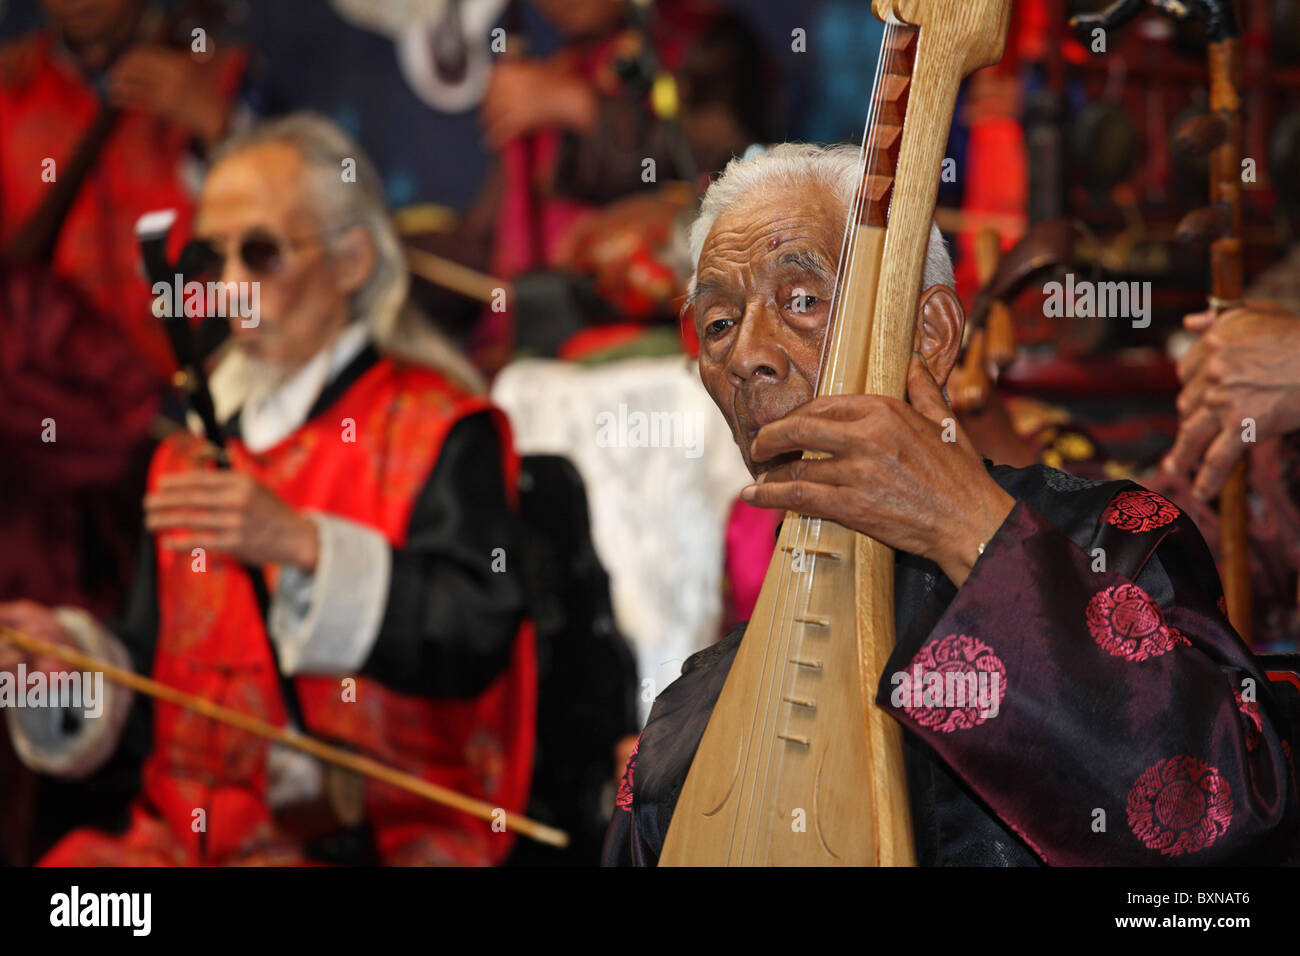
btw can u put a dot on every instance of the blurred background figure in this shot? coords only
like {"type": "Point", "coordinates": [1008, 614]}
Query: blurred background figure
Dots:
{"type": "Point", "coordinates": [373, 485]}
{"type": "Point", "coordinates": [635, 96]}
{"type": "Point", "coordinates": [106, 110]}
{"type": "Point", "coordinates": [163, 84]}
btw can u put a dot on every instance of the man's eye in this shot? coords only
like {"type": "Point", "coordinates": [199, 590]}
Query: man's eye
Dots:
{"type": "Point", "coordinates": [803, 303]}
{"type": "Point", "coordinates": [716, 328]}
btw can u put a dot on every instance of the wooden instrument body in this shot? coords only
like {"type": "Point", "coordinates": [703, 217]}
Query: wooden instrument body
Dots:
{"type": "Point", "coordinates": [797, 765]}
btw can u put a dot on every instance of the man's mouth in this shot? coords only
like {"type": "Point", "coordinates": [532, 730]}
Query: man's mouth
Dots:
{"type": "Point", "coordinates": [748, 429]}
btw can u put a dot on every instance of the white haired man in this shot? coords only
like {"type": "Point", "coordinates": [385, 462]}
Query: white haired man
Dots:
{"type": "Point", "coordinates": [376, 493]}
{"type": "Point", "coordinates": [1129, 724]}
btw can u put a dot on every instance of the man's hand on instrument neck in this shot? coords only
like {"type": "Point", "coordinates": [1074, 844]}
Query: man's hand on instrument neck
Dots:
{"type": "Point", "coordinates": [902, 473]}
{"type": "Point", "coordinates": [1245, 366]}
{"type": "Point", "coordinates": [230, 513]}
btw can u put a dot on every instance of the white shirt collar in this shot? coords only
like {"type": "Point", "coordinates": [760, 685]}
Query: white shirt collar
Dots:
{"type": "Point", "coordinates": [267, 418]}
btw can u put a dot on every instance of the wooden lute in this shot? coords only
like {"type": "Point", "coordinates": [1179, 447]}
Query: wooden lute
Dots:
{"type": "Point", "coordinates": [797, 765]}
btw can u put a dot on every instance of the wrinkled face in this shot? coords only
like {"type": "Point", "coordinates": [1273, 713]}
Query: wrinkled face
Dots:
{"type": "Point", "coordinates": [762, 303]}
{"type": "Point", "coordinates": [85, 21]}
{"type": "Point", "coordinates": [258, 194]}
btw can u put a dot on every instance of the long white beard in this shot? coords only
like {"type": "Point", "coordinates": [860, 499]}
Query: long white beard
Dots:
{"type": "Point", "coordinates": [240, 378]}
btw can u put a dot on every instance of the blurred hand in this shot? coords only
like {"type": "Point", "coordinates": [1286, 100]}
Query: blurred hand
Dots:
{"type": "Point", "coordinates": [1246, 364]}
{"type": "Point", "coordinates": [38, 621]}
{"type": "Point", "coordinates": [527, 95]}
{"type": "Point", "coordinates": [170, 84]}
{"type": "Point", "coordinates": [230, 513]}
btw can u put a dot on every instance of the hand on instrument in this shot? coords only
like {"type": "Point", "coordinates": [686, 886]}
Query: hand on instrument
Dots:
{"type": "Point", "coordinates": [171, 84]}
{"type": "Point", "coordinates": [35, 620]}
{"type": "Point", "coordinates": [1245, 365]}
{"type": "Point", "coordinates": [890, 474]}
{"type": "Point", "coordinates": [229, 512]}
{"type": "Point", "coordinates": [527, 95]}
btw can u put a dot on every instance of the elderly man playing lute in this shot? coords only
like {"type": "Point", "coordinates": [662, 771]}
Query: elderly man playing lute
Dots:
{"type": "Point", "coordinates": [1118, 718]}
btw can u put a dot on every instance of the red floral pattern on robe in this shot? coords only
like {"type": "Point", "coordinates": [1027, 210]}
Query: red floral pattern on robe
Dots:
{"type": "Point", "coordinates": [971, 678]}
{"type": "Point", "coordinates": [1180, 805]}
{"type": "Point", "coordinates": [1138, 511]}
{"type": "Point", "coordinates": [624, 799]}
{"type": "Point", "coordinates": [1127, 623]}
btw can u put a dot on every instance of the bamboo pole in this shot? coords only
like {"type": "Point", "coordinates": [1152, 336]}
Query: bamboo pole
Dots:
{"type": "Point", "coordinates": [454, 276]}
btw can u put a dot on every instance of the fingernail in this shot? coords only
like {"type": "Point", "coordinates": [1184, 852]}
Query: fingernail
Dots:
{"type": "Point", "coordinates": [747, 493]}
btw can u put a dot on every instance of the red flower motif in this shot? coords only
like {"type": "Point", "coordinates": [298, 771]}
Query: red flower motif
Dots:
{"type": "Point", "coordinates": [1139, 510]}
{"type": "Point", "coordinates": [1126, 623]}
{"type": "Point", "coordinates": [974, 684]}
{"type": "Point", "coordinates": [1179, 806]}
{"type": "Point", "coordinates": [624, 799]}
{"type": "Point", "coordinates": [1250, 709]}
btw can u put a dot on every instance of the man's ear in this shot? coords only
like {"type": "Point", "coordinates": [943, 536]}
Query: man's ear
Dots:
{"type": "Point", "coordinates": [355, 260]}
{"type": "Point", "coordinates": [940, 320]}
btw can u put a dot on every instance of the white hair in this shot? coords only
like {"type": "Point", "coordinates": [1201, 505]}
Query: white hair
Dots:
{"type": "Point", "coordinates": [338, 205]}
{"type": "Point", "coordinates": [800, 164]}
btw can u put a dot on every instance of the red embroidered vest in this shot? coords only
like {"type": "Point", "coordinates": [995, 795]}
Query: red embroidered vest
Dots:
{"type": "Point", "coordinates": [364, 458]}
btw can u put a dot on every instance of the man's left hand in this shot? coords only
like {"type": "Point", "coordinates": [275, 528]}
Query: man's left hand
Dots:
{"type": "Point", "coordinates": [230, 513]}
{"type": "Point", "coordinates": [905, 474]}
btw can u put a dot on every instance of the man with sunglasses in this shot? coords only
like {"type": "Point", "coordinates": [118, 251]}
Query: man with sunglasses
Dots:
{"type": "Point", "coordinates": [372, 483]}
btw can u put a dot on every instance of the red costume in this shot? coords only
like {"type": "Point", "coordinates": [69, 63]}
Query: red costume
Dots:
{"type": "Point", "coordinates": [211, 642]}
{"type": "Point", "coordinates": [46, 107]}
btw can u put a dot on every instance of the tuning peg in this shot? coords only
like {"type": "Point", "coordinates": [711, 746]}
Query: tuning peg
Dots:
{"type": "Point", "coordinates": [969, 385]}
{"type": "Point", "coordinates": [1199, 135]}
{"type": "Point", "coordinates": [1001, 335]}
{"type": "Point", "coordinates": [987, 254]}
{"type": "Point", "coordinates": [1202, 226]}
{"type": "Point", "coordinates": [1001, 341]}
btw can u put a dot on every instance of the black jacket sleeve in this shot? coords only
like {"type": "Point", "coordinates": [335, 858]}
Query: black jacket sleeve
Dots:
{"type": "Point", "coordinates": [455, 599]}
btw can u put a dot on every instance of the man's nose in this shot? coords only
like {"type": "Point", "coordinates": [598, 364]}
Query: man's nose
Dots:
{"type": "Point", "coordinates": [233, 268]}
{"type": "Point", "coordinates": [756, 352]}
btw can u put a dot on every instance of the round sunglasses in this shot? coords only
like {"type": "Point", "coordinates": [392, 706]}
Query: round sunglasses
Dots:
{"type": "Point", "coordinates": [261, 253]}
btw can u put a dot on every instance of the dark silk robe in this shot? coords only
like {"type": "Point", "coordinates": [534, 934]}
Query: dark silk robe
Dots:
{"type": "Point", "coordinates": [1132, 725]}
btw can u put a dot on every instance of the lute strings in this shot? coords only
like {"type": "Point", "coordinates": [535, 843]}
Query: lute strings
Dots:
{"type": "Point", "coordinates": [807, 528]}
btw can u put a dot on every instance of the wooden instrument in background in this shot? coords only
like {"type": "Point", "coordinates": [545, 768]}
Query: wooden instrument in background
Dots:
{"type": "Point", "coordinates": [1226, 292]}
{"type": "Point", "coordinates": [1218, 133]}
{"type": "Point", "coordinates": [795, 737]}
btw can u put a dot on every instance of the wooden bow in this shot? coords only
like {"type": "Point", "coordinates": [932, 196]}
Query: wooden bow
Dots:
{"type": "Point", "coordinates": [357, 763]}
